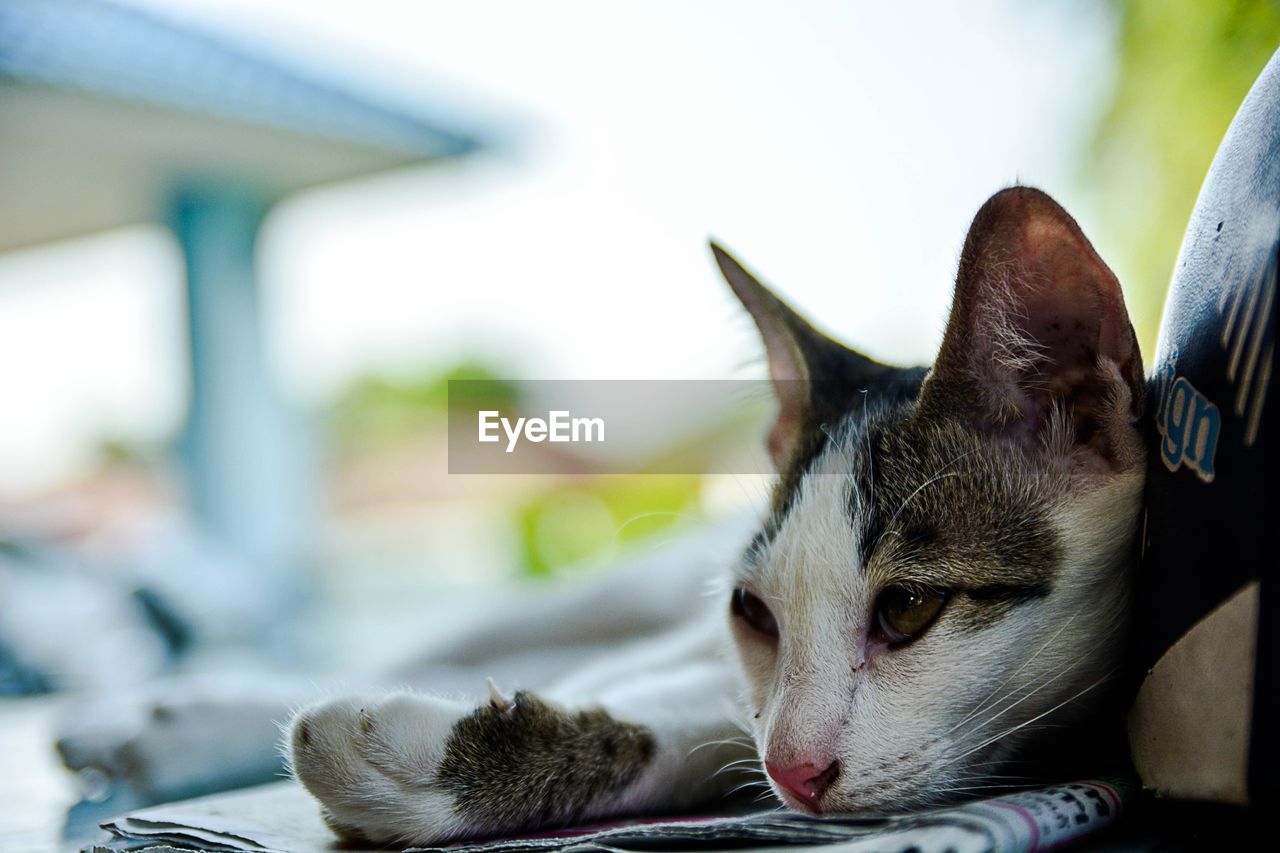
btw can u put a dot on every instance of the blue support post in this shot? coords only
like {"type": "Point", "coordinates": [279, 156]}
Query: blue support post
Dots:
{"type": "Point", "coordinates": [246, 459]}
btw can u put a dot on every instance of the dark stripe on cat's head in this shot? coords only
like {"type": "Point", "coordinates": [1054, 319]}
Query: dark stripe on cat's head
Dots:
{"type": "Point", "coordinates": [837, 409]}
{"type": "Point", "coordinates": [936, 499]}
{"type": "Point", "coordinates": [954, 471]}
{"type": "Point", "coordinates": [933, 500]}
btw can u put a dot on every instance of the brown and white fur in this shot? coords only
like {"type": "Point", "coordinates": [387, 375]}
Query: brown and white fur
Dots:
{"type": "Point", "coordinates": [1004, 483]}
{"type": "Point", "coordinates": [1001, 488]}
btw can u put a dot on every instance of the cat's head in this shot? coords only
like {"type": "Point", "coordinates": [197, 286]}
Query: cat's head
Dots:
{"type": "Point", "coordinates": [943, 572]}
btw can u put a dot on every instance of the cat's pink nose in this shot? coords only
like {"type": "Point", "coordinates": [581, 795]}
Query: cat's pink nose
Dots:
{"type": "Point", "coordinates": [805, 781]}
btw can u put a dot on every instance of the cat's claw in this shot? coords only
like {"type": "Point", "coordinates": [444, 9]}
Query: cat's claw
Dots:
{"type": "Point", "coordinates": [497, 698]}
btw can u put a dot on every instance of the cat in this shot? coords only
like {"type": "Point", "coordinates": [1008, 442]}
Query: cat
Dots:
{"type": "Point", "coordinates": [939, 585]}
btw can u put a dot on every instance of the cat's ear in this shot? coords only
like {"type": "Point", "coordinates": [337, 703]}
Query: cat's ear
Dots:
{"type": "Point", "coordinates": [1039, 347]}
{"type": "Point", "coordinates": [815, 378]}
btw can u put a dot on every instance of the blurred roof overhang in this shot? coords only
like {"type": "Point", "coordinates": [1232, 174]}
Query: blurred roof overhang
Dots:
{"type": "Point", "coordinates": [105, 108]}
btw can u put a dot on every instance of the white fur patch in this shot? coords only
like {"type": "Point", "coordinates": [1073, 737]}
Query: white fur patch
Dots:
{"type": "Point", "coordinates": [924, 723]}
{"type": "Point", "coordinates": [373, 765]}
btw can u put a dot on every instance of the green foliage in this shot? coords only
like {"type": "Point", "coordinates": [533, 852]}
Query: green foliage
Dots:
{"type": "Point", "coordinates": [567, 521]}
{"type": "Point", "coordinates": [376, 411]}
{"type": "Point", "coordinates": [591, 517]}
{"type": "Point", "coordinates": [1183, 67]}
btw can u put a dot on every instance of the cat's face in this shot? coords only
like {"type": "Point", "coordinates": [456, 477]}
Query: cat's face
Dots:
{"type": "Point", "coordinates": [943, 573]}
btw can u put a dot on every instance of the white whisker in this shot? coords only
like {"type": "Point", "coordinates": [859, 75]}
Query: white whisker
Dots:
{"type": "Point", "coordinates": [1042, 714]}
{"type": "Point", "coordinates": [982, 706]}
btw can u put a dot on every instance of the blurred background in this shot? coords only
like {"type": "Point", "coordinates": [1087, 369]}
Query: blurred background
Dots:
{"type": "Point", "coordinates": [244, 247]}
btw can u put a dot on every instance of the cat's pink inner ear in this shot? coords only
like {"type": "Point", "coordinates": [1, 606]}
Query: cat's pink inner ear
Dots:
{"type": "Point", "coordinates": [1072, 301]}
{"type": "Point", "coordinates": [1038, 320]}
{"type": "Point", "coordinates": [790, 377]}
{"type": "Point", "coordinates": [787, 367]}
{"type": "Point", "coordinates": [1073, 296]}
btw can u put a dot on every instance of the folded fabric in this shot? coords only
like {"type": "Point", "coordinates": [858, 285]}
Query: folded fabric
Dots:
{"type": "Point", "coordinates": [282, 818]}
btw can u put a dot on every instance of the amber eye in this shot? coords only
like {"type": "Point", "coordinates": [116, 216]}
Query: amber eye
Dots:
{"type": "Point", "coordinates": [903, 613]}
{"type": "Point", "coordinates": [755, 612]}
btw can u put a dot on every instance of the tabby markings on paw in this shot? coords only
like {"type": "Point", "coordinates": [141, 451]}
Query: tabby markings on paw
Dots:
{"type": "Point", "coordinates": [538, 765]}
{"type": "Point", "coordinates": [423, 769]}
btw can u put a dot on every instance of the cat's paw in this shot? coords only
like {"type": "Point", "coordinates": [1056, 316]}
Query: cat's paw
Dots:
{"type": "Point", "coordinates": [419, 769]}
{"type": "Point", "coordinates": [374, 765]}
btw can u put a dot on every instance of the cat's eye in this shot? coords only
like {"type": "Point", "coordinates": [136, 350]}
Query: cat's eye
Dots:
{"type": "Point", "coordinates": [749, 608]}
{"type": "Point", "coordinates": [903, 613]}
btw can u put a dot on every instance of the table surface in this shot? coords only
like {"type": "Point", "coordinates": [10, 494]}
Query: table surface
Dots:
{"type": "Point", "coordinates": [35, 790]}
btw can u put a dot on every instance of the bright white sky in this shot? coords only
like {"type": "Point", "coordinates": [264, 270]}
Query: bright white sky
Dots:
{"type": "Point", "coordinates": [839, 148]}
